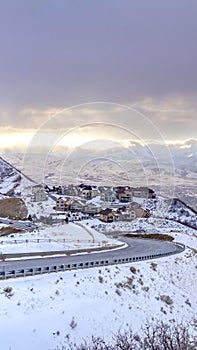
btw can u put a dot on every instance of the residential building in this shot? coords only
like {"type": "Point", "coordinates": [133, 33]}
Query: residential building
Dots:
{"type": "Point", "coordinates": [107, 215]}
{"type": "Point", "coordinates": [124, 194]}
{"type": "Point", "coordinates": [143, 192]}
{"type": "Point", "coordinates": [108, 195]}
{"type": "Point", "coordinates": [77, 205]}
{"type": "Point", "coordinates": [36, 188]}
{"type": "Point", "coordinates": [39, 196]}
{"type": "Point", "coordinates": [92, 208]}
{"type": "Point", "coordinates": [63, 204]}
{"type": "Point", "coordinates": [70, 190]}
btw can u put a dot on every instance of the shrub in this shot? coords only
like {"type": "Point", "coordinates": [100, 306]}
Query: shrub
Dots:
{"type": "Point", "coordinates": [155, 336]}
{"type": "Point", "coordinates": [133, 269]}
{"type": "Point", "coordinates": [153, 266]}
{"type": "Point", "coordinates": [8, 292]}
{"type": "Point", "coordinates": [118, 292]}
{"type": "Point", "coordinates": [100, 279]}
{"type": "Point", "coordinates": [73, 323]}
{"type": "Point", "coordinates": [166, 299]}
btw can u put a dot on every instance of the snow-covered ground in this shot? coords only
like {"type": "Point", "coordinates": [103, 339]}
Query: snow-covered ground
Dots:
{"type": "Point", "coordinates": [39, 311]}
{"type": "Point", "coordinates": [42, 312]}
{"type": "Point", "coordinates": [56, 237]}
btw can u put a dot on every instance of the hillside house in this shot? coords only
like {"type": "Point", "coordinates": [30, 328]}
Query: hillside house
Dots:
{"type": "Point", "coordinates": [143, 192]}
{"type": "Point", "coordinates": [108, 195]}
{"type": "Point", "coordinates": [39, 196]}
{"type": "Point", "coordinates": [58, 218]}
{"type": "Point", "coordinates": [138, 210]}
{"type": "Point", "coordinates": [75, 216]}
{"type": "Point", "coordinates": [92, 209]}
{"type": "Point", "coordinates": [130, 213]}
{"type": "Point", "coordinates": [36, 188]}
{"type": "Point", "coordinates": [124, 194]}
{"type": "Point", "coordinates": [86, 192]}
{"type": "Point", "coordinates": [107, 215]}
{"type": "Point", "coordinates": [77, 205]}
{"type": "Point", "coordinates": [70, 190]}
{"type": "Point", "coordinates": [62, 204]}
{"type": "Point", "coordinates": [95, 191]}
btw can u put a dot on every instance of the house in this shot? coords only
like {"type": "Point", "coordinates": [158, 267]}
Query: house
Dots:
{"type": "Point", "coordinates": [36, 188]}
{"type": "Point", "coordinates": [132, 212]}
{"type": "Point", "coordinates": [77, 205]}
{"type": "Point", "coordinates": [138, 210]}
{"type": "Point", "coordinates": [63, 204]}
{"type": "Point", "coordinates": [39, 196]}
{"type": "Point", "coordinates": [92, 208]}
{"type": "Point", "coordinates": [59, 218]}
{"type": "Point", "coordinates": [75, 216]}
{"type": "Point", "coordinates": [108, 195]}
{"type": "Point", "coordinates": [143, 192]}
{"type": "Point", "coordinates": [95, 191]}
{"type": "Point", "coordinates": [69, 190]}
{"type": "Point", "coordinates": [85, 191]}
{"type": "Point", "coordinates": [107, 215]}
{"type": "Point", "coordinates": [124, 194]}
{"type": "Point", "coordinates": [124, 214]}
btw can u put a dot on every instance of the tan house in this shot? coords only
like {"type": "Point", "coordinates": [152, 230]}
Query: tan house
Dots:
{"type": "Point", "coordinates": [63, 204]}
{"type": "Point", "coordinates": [95, 191]}
{"type": "Point", "coordinates": [88, 191]}
{"type": "Point", "coordinates": [124, 194]}
{"type": "Point", "coordinates": [131, 213]}
{"type": "Point", "coordinates": [107, 215]}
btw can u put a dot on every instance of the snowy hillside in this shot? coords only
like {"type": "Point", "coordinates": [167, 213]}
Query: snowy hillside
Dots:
{"type": "Point", "coordinates": [43, 312]}
{"type": "Point", "coordinates": [12, 182]}
{"type": "Point", "coordinates": [170, 209]}
{"type": "Point", "coordinates": [46, 311]}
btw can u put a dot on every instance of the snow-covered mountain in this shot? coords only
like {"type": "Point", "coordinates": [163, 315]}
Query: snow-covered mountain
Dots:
{"type": "Point", "coordinates": [151, 161]}
{"type": "Point", "coordinates": [12, 181]}
{"type": "Point", "coordinates": [170, 170]}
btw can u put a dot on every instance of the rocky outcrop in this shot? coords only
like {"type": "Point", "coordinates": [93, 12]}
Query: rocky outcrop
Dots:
{"type": "Point", "coordinates": [14, 208]}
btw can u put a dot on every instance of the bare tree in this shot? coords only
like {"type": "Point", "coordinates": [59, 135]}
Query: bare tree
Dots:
{"type": "Point", "coordinates": [155, 336]}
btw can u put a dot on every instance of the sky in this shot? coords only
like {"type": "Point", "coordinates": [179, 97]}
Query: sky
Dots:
{"type": "Point", "coordinates": [60, 57]}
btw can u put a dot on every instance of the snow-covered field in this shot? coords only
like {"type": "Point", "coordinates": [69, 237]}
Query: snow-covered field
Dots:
{"type": "Point", "coordinates": [45, 311]}
{"type": "Point", "coordinates": [56, 237]}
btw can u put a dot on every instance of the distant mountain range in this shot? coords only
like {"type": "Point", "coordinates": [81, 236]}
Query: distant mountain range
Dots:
{"type": "Point", "coordinates": [170, 170]}
{"type": "Point", "coordinates": [13, 183]}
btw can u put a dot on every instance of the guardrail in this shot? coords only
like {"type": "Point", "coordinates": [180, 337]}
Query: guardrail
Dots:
{"type": "Point", "coordinates": [91, 262]}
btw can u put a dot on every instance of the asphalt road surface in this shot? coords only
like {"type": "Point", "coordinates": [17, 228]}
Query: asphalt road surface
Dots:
{"type": "Point", "coordinates": [143, 248]}
{"type": "Point", "coordinates": [22, 225]}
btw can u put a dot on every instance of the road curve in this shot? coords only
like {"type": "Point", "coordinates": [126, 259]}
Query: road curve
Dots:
{"type": "Point", "coordinates": [136, 250]}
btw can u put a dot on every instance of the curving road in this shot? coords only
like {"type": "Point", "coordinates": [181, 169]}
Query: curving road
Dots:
{"type": "Point", "coordinates": [137, 250]}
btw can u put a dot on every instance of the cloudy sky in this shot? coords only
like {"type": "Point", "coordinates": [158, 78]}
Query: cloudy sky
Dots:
{"type": "Point", "coordinates": [56, 55]}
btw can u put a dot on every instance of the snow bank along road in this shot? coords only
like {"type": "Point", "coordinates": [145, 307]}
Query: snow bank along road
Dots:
{"type": "Point", "coordinates": [137, 249]}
